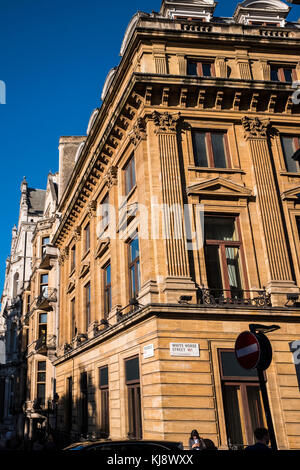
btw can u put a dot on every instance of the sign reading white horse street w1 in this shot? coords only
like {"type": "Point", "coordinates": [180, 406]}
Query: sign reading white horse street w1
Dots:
{"type": "Point", "coordinates": [184, 349]}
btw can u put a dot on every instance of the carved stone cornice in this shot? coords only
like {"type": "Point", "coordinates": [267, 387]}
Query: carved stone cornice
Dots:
{"type": "Point", "coordinates": [138, 132]}
{"type": "Point", "coordinates": [255, 128]}
{"type": "Point", "coordinates": [165, 122]}
{"type": "Point", "coordinates": [112, 176]}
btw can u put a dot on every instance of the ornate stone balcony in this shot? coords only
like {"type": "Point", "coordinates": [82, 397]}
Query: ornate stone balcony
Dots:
{"type": "Point", "coordinates": [45, 299]}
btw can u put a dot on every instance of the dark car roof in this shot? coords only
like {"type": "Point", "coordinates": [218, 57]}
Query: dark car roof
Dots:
{"type": "Point", "coordinates": [124, 441]}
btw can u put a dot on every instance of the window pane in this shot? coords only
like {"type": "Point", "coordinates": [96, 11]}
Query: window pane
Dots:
{"type": "Point", "coordinates": [232, 259]}
{"type": "Point", "coordinates": [255, 407]}
{"type": "Point", "coordinates": [192, 68]}
{"type": "Point", "coordinates": [206, 69]}
{"type": "Point", "coordinates": [41, 377]}
{"type": "Point", "coordinates": [41, 392]}
{"type": "Point", "coordinates": [134, 249]}
{"type": "Point", "coordinates": [132, 369]}
{"type": "Point", "coordinates": [232, 415]}
{"type": "Point", "coordinates": [274, 74]}
{"type": "Point", "coordinates": [213, 269]}
{"type": "Point", "coordinates": [42, 365]}
{"type": "Point", "coordinates": [231, 367]}
{"type": "Point", "coordinates": [220, 228]}
{"type": "Point", "coordinates": [289, 149]}
{"type": "Point", "coordinates": [218, 150]}
{"type": "Point", "coordinates": [108, 275]}
{"type": "Point", "coordinates": [298, 226]}
{"type": "Point", "coordinates": [103, 376]}
{"type": "Point", "coordinates": [43, 318]}
{"type": "Point", "coordinates": [288, 75]}
{"type": "Point", "coordinates": [200, 149]}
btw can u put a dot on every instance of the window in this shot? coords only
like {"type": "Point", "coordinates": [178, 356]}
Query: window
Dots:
{"type": "Point", "coordinates": [243, 407]}
{"type": "Point", "coordinates": [28, 303]}
{"type": "Point", "coordinates": [42, 333]}
{"type": "Point", "coordinates": [107, 289]}
{"type": "Point", "coordinates": [134, 267]}
{"type": "Point", "coordinates": [223, 255]}
{"type": "Point", "coordinates": [73, 318]}
{"type": "Point", "coordinates": [73, 257]}
{"type": "Point", "coordinates": [290, 145]}
{"type": "Point", "coordinates": [41, 383]}
{"type": "Point", "coordinates": [87, 238]}
{"type": "Point", "coordinates": [104, 392]}
{"type": "Point", "coordinates": [69, 408]}
{"type": "Point", "coordinates": [130, 179]}
{"type": "Point", "coordinates": [298, 225]}
{"type": "Point", "coordinates": [83, 403]}
{"type": "Point", "coordinates": [44, 286]}
{"type": "Point", "coordinates": [16, 285]}
{"type": "Point", "coordinates": [87, 290]}
{"type": "Point", "coordinates": [211, 149]}
{"type": "Point", "coordinates": [105, 212]}
{"type": "Point", "coordinates": [132, 375]}
{"type": "Point", "coordinates": [45, 242]}
{"type": "Point", "coordinates": [284, 73]}
{"type": "Point", "coordinates": [203, 68]}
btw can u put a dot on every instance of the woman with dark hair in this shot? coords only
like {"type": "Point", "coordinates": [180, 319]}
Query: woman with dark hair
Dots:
{"type": "Point", "coordinates": [195, 441]}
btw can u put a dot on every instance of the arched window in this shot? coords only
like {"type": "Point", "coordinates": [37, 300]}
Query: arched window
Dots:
{"type": "Point", "coordinates": [16, 285]}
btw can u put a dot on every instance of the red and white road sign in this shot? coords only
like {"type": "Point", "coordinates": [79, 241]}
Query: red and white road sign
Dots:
{"type": "Point", "coordinates": [247, 350]}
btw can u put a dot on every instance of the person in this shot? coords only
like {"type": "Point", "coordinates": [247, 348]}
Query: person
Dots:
{"type": "Point", "coordinates": [209, 444]}
{"type": "Point", "coordinates": [195, 441]}
{"type": "Point", "coordinates": [262, 440]}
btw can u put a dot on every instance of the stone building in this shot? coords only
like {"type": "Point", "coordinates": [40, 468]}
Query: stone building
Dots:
{"type": "Point", "coordinates": [179, 226]}
{"type": "Point", "coordinates": [40, 316]}
{"type": "Point", "coordinates": [17, 274]}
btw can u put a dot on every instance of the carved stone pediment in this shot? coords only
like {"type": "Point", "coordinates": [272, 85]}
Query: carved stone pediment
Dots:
{"type": "Point", "coordinates": [291, 194]}
{"type": "Point", "coordinates": [71, 286]}
{"type": "Point", "coordinates": [219, 187]}
{"type": "Point", "coordinates": [102, 246]}
{"type": "Point", "coordinates": [84, 269]}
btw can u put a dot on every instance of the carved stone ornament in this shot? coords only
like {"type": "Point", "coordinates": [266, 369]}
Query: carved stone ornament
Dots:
{"type": "Point", "coordinates": [138, 132]}
{"type": "Point", "coordinates": [165, 122]}
{"type": "Point", "coordinates": [112, 176]}
{"type": "Point", "coordinates": [77, 234]}
{"type": "Point", "coordinates": [255, 128]}
{"type": "Point", "coordinates": [92, 206]}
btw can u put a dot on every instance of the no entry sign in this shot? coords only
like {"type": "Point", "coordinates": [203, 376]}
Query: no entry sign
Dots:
{"type": "Point", "coordinates": [253, 350]}
{"type": "Point", "coordinates": [247, 350]}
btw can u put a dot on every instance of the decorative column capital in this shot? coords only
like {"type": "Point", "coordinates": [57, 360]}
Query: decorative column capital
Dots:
{"type": "Point", "coordinates": [165, 122]}
{"type": "Point", "coordinates": [112, 176]}
{"type": "Point", "coordinates": [138, 132]}
{"type": "Point", "coordinates": [92, 206]}
{"type": "Point", "coordinates": [77, 233]}
{"type": "Point", "coordinates": [255, 128]}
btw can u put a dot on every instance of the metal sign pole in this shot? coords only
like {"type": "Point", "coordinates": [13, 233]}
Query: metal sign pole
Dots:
{"type": "Point", "coordinates": [265, 398]}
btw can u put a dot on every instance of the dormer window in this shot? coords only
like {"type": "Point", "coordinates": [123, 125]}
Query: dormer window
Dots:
{"type": "Point", "coordinates": [258, 13]}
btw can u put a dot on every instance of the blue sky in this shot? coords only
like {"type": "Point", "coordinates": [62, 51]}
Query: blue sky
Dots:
{"type": "Point", "coordinates": [55, 56]}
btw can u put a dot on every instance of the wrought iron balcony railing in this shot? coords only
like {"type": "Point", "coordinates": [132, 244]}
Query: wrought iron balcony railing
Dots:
{"type": "Point", "coordinates": [234, 298]}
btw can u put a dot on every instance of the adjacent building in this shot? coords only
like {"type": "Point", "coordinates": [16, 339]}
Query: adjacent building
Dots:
{"type": "Point", "coordinates": [170, 227]}
{"type": "Point", "coordinates": [17, 274]}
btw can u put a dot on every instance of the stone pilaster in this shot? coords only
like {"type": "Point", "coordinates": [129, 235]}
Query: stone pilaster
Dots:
{"type": "Point", "coordinates": [160, 59]}
{"type": "Point", "coordinates": [221, 67]}
{"type": "Point", "coordinates": [178, 280]}
{"type": "Point", "coordinates": [257, 133]}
